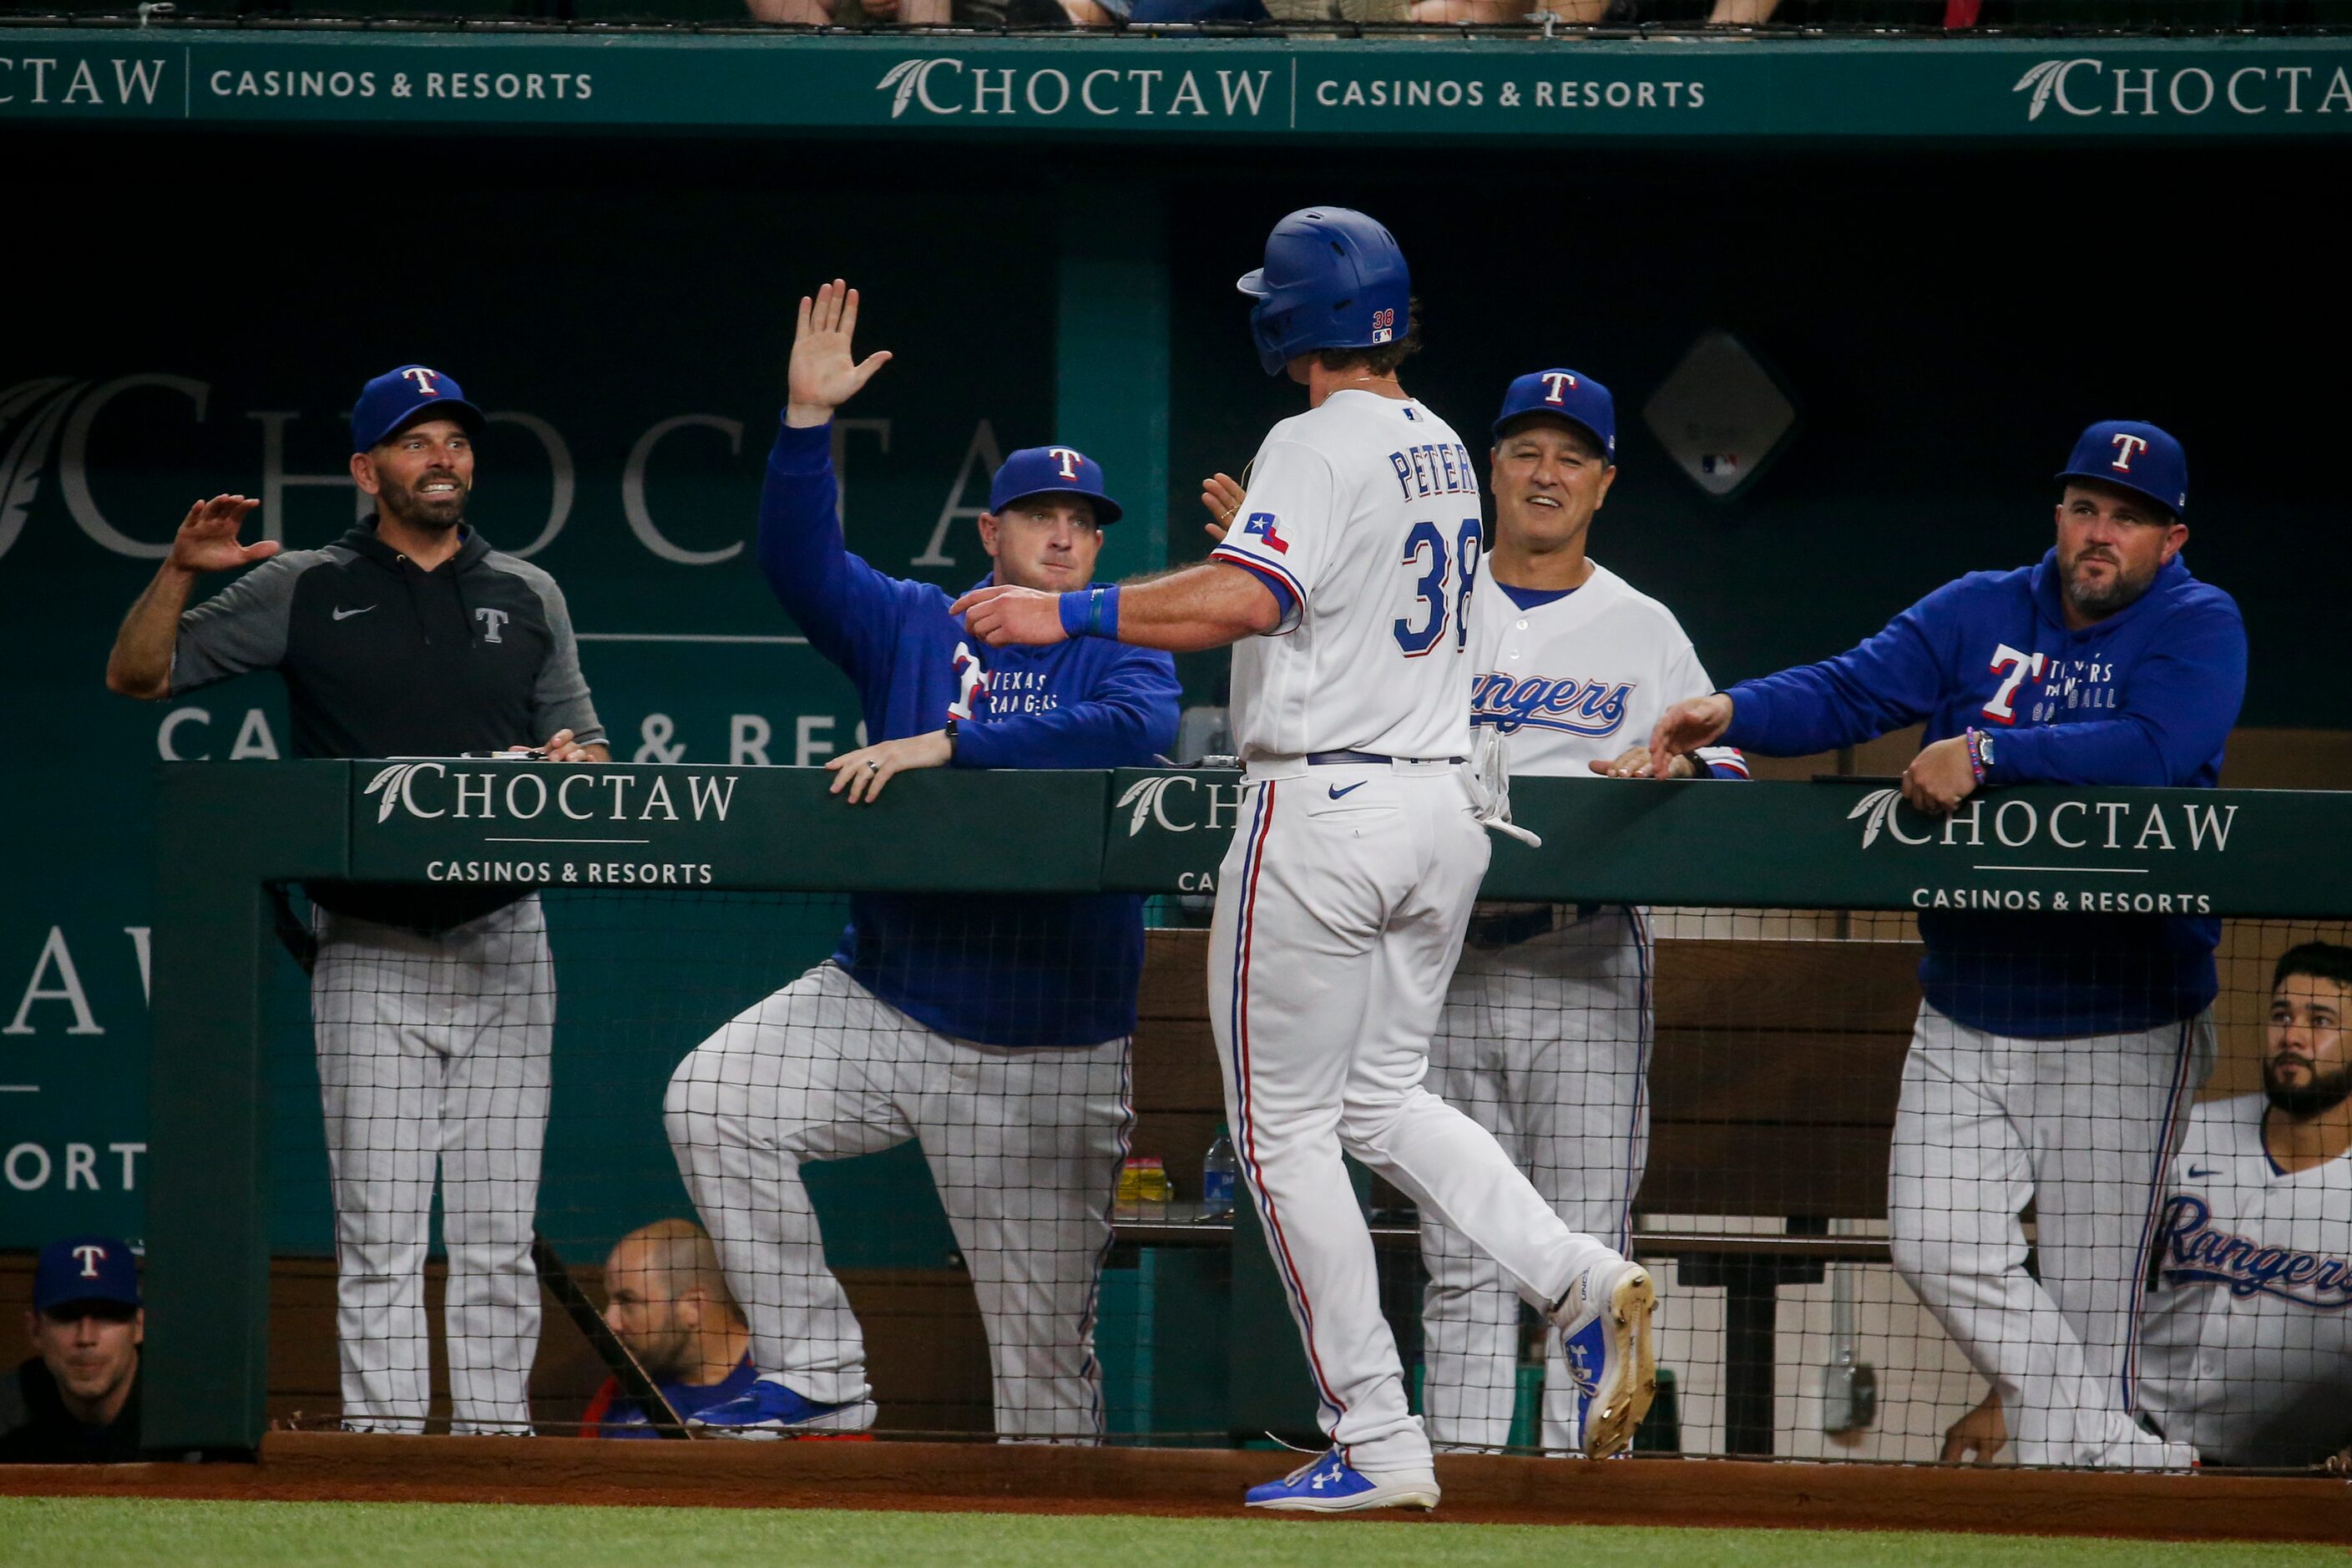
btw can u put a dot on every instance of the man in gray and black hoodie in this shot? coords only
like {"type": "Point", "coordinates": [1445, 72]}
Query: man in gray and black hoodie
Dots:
{"type": "Point", "coordinates": [434, 1008]}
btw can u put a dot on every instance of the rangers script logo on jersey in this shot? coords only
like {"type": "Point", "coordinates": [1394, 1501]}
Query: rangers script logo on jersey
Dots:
{"type": "Point", "coordinates": [2198, 1251]}
{"type": "Point", "coordinates": [1575, 707]}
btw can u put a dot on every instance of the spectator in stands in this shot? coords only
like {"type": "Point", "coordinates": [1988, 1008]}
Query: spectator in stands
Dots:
{"type": "Point", "coordinates": [2055, 1053]}
{"type": "Point", "coordinates": [981, 14]}
{"type": "Point", "coordinates": [666, 1300]}
{"type": "Point", "coordinates": [75, 1401]}
{"type": "Point", "coordinates": [1582, 13]}
{"type": "Point", "coordinates": [2248, 1329]}
{"type": "Point", "coordinates": [993, 1031]}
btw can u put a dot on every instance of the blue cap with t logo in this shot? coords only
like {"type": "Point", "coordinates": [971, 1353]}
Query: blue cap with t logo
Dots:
{"type": "Point", "coordinates": [398, 396]}
{"type": "Point", "coordinates": [2135, 456]}
{"type": "Point", "coordinates": [85, 1268]}
{"type": "Point", "coordinates": [1051, 471]}
{"type": "Point", "coordinates": [1564, 394]}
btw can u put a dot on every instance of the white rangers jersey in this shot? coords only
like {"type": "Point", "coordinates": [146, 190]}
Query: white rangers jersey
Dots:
{"type": "Point", "coordinates": [2247, 1333]}
{"type": "Point", "coordinates": [1366, 511]}
{"type": "Point", "coordinates": [1582, 677]}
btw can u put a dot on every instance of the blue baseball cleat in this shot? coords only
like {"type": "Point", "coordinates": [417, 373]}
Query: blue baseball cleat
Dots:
{"type": "Point", "coordinates": [1328, 1484]}
{"type": "Point", "coordinates": [1604, 1321]}
{"type": "Point", "coordinates": [770, 1410]}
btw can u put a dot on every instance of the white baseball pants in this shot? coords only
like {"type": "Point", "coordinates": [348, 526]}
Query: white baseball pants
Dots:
{"type": "Point", "coordinates": [1546, 1043]}
{"type": "Point", "coordinates": [434, 1050]}
{"type": "Point", "coordinates": [1339, 916]}
{"type": "Point", "coordinates": [1024, 1145]}
{"type": "Point", "coordinates": [2086, 1129]}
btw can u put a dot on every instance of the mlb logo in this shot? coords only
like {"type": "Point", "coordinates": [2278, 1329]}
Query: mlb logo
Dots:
{"type": "Point", "coordinates": [1719, 462]}
{"type": "Point", "coordinates": [1383, 326]}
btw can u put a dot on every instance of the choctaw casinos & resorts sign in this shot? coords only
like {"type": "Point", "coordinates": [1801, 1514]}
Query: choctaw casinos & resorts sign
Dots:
{"type": "Point", "coordinates": [1827, 846]}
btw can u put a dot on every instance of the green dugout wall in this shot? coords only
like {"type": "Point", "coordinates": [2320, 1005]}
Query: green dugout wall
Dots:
{"type": "Point", "coordinates": [225, 829]}
{"type": "Point", "coordinates": [1951, 256]}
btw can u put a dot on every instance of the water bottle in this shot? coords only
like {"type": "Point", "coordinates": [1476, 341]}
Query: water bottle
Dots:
{"type": "Point", "coordinates": [1219, 1170]}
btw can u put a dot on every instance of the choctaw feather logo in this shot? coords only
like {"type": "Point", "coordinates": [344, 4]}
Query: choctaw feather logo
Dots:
{"type": "Point", "coordinates": [2043, 80]}
{"type": "Point", "coordinates": [908, 77]}
{"type": "Point", "coordinates": [1144, 795]}
{"type": "Point", "coordinates": [394, 781]}
{"type": "Point", "coordinates": [1878, 803]}
{"type": "Point", "coordinates": [30, 413]}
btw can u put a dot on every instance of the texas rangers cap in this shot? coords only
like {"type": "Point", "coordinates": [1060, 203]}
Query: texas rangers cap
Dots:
{"type": "Point", "coordinates": [85, 1268]}
{"type": "Point", "coordinates": [1578, 399]}
{"type": "Point", "coordinates": [2135, 456]}
{"type": "Point", "coordinates": [398, 396]}
{"type": "Point", "coordinates": [1051, 471]}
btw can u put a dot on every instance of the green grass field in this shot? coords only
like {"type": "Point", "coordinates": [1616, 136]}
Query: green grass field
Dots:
{"type": "Point", "coordinates": [102, 1532]}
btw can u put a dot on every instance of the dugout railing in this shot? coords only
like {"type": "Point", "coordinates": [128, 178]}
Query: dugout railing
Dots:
{"type": "Point", "coordinates": [1783, 993]}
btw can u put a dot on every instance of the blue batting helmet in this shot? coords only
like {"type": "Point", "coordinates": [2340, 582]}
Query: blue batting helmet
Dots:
{"type": "Point", "coordinates": [1333, 279]}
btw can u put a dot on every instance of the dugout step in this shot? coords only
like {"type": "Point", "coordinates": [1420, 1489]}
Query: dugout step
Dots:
{"type": "Point", "coordinates": [328, 1467]}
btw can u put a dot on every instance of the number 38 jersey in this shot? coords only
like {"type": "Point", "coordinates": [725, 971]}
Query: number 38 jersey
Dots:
{"type": "Point", "coordinates": [1364, 515]}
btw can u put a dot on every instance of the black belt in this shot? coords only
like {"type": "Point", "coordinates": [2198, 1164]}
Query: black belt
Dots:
{"type": "Point", "coordinates": [1344, 759]}
{"type": "Point", "coordinates": [1516, 926]}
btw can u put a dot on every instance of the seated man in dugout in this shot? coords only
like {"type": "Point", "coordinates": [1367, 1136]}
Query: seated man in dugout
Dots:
{"type": "Point", "coordinates": [666, 1300]}
{"type": "Point", "coordinates": [2246, 1350]}
{"type": "Point", "coordinates": [75, 1401]}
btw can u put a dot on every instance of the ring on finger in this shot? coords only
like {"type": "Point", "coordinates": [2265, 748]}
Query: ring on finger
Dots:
{"type": "Point", "coordinates": [873, 765]}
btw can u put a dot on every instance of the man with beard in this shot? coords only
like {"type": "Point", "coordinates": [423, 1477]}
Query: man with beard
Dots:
{"type": "Point", "coordinates": [2247, 1352]}
{"type": "Point", "coordinates": [666, 1298]}
{"type": "Point", "coordinates": [2055, 1055]}
{"type": "Point", "coordinates": [433, 1007]}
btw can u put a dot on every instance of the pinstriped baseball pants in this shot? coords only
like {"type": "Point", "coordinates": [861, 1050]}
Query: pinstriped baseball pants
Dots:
{"type": "Point", "coordinates": [1025, 1146]}
{"type": "Point", "coordinates": [433, 1058]}
{"type": "Point", "coordinates": [2086, 1129]}
{"type": "Point", "coordinates": [1545, 1044]}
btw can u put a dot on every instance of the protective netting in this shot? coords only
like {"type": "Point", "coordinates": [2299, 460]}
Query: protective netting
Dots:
{"type": "Point", "coordinates": [2075, 1180]}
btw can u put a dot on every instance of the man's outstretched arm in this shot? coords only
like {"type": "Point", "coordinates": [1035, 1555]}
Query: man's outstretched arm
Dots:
{"type": "Point", "coordinates": [1204, 606]}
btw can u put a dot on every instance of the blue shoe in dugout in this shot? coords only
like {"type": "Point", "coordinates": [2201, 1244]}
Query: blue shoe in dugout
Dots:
{"type": "Point", "coordinates": [1604, 1323]}
{"type": "Point", "coordinates": [1328, 1484]}
{"type": "Point", "coordinates": [772, 1410]}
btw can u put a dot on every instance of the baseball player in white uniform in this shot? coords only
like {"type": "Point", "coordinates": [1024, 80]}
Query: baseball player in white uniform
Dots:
{"type": "Point", "coordinates": [1345, 575]}
{"type": "Point", "coordinates": [1545, 1037]}
{"type": "Point", "coordinates": [2246, 1338]}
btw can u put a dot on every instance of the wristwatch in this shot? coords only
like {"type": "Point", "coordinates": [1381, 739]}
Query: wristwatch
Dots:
{"type": "Point", "coordinates": [951, 741]}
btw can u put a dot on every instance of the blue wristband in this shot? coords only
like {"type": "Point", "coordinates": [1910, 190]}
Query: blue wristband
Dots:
{"type": "Point", "coordinates": [1091, 613]}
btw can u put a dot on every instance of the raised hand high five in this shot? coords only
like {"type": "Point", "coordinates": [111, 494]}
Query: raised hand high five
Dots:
{"type": "Point", "coordinates": [207, 538]}
{"type": "Point", "coordinates": [824, 374]}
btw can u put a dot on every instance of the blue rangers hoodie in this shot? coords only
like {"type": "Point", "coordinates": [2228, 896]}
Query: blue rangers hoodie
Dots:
{"type": "Point", "coordinates": [1014, 970]}
{"type": "Point", "coordinates": [2147, 696]}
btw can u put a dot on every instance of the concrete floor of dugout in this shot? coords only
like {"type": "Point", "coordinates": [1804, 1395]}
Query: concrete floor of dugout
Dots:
{"type": "Point", "coordinates": [312, 1467]}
